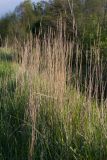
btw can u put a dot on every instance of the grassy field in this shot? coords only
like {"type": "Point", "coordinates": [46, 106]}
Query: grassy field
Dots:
{"type": "Point", "coordinates": [44, 114]}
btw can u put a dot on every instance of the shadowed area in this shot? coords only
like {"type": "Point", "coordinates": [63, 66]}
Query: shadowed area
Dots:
{"type": "Point", "coordinates": [6, 56]}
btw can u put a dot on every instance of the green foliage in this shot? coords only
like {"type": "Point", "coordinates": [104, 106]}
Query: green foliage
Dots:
{"type": "Point", "coordinates": [33, 17]}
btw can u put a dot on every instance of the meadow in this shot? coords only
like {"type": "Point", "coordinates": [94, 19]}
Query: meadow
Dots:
{"type": "Point", "coordinates": [50, 106]}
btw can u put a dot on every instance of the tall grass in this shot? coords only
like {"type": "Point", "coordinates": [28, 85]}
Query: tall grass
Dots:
{"type": "Point", "coordinates": [51, 108]}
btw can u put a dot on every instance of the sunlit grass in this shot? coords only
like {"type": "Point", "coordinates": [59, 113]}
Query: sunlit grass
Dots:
{"type": "Point", "coordinates": [45, 114]}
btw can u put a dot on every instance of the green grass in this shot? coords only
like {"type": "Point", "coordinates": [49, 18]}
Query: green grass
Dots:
{"type": "Point", "coordinates": [13, 130]}
{"type": "Point", "coordinates": [72, 130]}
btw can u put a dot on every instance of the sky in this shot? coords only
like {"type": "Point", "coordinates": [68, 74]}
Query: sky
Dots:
{"type": "Point", "coordinates": [9, 5]}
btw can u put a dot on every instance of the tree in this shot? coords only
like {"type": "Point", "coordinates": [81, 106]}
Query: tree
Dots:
{"type": "Point", "coordinates": [7, 26]}
{"type": "Point", "coordinates": [25, 17]}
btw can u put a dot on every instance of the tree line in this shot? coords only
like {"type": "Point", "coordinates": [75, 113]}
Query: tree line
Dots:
{"type": "Point", "coordinates": [89, 18]}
